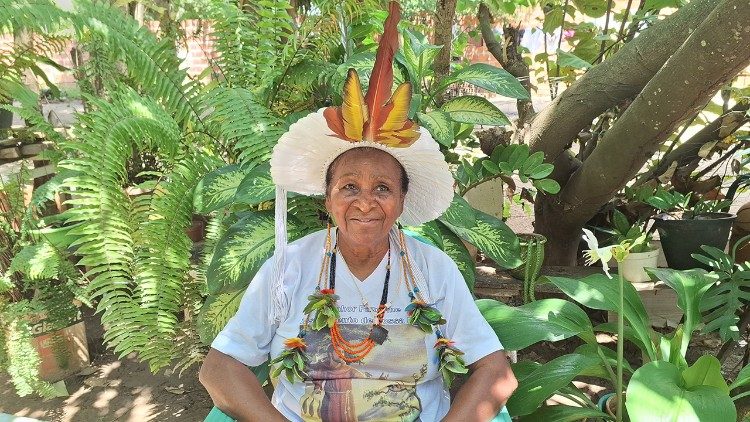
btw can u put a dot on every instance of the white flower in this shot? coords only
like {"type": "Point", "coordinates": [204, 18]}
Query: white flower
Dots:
{"type": "Point", "coordinates": [594, 253]}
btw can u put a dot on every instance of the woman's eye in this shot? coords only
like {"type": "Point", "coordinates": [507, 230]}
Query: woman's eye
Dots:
{"type": "Point", "coordinates": [349, 186]}
{"type": "Point", "coordinates": [382, 188]}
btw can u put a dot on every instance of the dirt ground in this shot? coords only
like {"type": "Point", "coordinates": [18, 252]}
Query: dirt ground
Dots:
{"type": "Point", "coordinates": [114, 390]}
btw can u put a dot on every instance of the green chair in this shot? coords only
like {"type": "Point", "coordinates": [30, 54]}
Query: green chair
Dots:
{"type": "Point", "coordinates": [217, 415]}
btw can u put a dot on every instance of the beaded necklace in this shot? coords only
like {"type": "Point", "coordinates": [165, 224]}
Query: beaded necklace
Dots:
{"type": "Point", "coordinates": [322, 311]}
{"type": "Point", "coordinates": [355, 351]}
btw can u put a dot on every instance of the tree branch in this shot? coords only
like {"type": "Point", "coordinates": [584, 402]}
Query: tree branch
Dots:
{"type": "Point", "coordinates": [685, 84]}
{"type": "Point", "coordinates": [444, 15]}
{"type": "Point", "coordinates": [620, 77]}
{"type": "Point", "coordinates": [509, 58]}
{"type": "Point", "coordinates": [723, 126]}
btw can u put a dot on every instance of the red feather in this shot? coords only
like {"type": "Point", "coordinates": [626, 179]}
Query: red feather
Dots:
{"type": "Point", "coordinates": [381, 80]}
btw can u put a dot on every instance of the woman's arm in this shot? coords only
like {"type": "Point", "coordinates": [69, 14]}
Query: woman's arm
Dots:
{"type": "Point", "coordinates": [490, 384]}
{"type": "Point", "coordinates": [235, 390]}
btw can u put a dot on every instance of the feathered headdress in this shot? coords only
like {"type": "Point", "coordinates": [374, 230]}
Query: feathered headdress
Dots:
{"type": "Point", "coordinates": [378, 116]}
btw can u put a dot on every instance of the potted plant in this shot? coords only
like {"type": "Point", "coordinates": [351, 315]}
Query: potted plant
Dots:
{"type": "Point", "coordinates": [642, 253]}
{"type": "Point", "coordinates": [683, 390]}
{"type": "Point", "coordinates": [686, 223]}
{"type": "Point", "coordinates": [42, 339]}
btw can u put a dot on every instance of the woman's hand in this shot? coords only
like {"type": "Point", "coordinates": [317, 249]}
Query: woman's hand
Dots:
{"type": "Point", "coordinates": [235, 390]}
{"type": "Point", "coordinates": [485, 392]}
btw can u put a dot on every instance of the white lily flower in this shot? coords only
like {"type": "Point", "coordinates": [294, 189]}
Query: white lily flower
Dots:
{"type": "Point", "coordinates": [595, 253]}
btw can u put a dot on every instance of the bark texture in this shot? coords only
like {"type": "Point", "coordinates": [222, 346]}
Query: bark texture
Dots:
{"type": "Point", "coordinates": [445, 12]}
{"type": "Point", "coordinates": [713, 53]}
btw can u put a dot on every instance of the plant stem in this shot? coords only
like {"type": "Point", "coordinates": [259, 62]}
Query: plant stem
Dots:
{"type": "Point", "coordinates": [620, 344]}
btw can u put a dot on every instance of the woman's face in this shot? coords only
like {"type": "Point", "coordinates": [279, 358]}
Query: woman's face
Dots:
{"type": "Point", "coordinates": [365, 196]}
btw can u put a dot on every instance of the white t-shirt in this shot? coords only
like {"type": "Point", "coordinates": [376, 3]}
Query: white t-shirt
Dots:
{"type": "Point", "coordinates": [398, 380]}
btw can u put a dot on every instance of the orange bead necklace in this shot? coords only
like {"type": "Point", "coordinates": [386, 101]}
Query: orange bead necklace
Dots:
{"type": "Point", "coordinates": [351, 351]}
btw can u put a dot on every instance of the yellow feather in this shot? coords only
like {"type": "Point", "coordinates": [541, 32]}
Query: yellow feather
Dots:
{"type": "Point", "coordinates": [399, 112]}
{"type": "Point", "coordinates": [353, 110]}
{"type": "Point", "coordinates": [400, 138]}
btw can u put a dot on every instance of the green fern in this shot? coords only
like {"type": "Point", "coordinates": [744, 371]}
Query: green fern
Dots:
{"type": "Point", "coordinates": [163, 259]}
{"type": "Point", "coordinates": [152, 65]}
{"type": "Point", "coordinates": [40, 16]}
{"type": "Point", "coordinates": [136, 250]}
{"type": "Point", "coordinates": [19, 355]}
{"type": "Point", "coordinates": [245, 126]}
{"type": "Point", "coordinates": [249, 41]}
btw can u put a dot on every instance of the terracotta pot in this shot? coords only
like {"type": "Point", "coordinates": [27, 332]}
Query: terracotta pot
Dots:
{"type": "Point", "coordinates": [62, 352]}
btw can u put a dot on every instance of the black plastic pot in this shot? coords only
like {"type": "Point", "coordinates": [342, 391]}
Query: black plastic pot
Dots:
{"type": "Point", "coordinates": [681, 238]}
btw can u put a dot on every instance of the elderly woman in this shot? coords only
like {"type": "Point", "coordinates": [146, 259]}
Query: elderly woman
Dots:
{"type": "Point", "coordinates": [362, 322]}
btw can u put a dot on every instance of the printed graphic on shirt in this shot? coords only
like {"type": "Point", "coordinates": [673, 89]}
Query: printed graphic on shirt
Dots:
{"type": "Point", "coordinates": [381, 387]}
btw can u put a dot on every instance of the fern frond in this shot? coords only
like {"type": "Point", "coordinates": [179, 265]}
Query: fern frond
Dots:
{"type": "Point", "coordinates": [249, 41]}
{"type": "Point", "coordinates": [163, 258]}
{"type": "Point", "coordinates": [152, 65]}
{"type": "Point", "coordinates": [37, 16]}
{"type": "Point", "coordinates": [248, 127]}
{"type": "Point", "coordinates": [136, 252]}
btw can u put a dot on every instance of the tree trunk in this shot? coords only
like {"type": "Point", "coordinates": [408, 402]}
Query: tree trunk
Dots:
{"type": "Point", "coordinates": [509, 57]}
{"type": "Point", "coordinates": [715, 52]}
{"type": "Point", "coordinates": [619, 78]}
{"type": "Point", "coordinates": [444, 15]}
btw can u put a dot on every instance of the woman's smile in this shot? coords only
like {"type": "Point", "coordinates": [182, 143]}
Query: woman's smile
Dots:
{"type": "Point", "coordinates": [365, 198]}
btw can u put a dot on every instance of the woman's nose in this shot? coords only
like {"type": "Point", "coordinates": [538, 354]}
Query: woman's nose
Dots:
{"type": "Point", "coordinates": [365, 201]}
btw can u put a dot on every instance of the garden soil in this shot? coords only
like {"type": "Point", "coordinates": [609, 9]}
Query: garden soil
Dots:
{"type": "Point", "coordinates": [113, 389]}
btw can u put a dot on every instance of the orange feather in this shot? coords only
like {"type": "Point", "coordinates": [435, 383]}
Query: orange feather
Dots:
{"type": "Point", "coordinates": [335, 121]}
{"type": "Point", "coordinates": [381, 80]}
{"type": "Point", "coordinates": [354, 110]}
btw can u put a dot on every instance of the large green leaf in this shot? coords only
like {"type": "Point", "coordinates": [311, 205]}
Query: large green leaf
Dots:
{"type": "Point", "coordinates": [217, 189]}
{"type": "Point", "coordinates": [743, 378]}
{"type": "Point", "coordinates": [542, 320]}
{"type": "Point", "coordinates": [460, 213]}
{"type": "Point", "coordinates": [257, 186]}
{"type": "Point", "coordinates": [566, 59]}
{"type": "Point", "coordinates": [690, 286]}
{"type": "Point", "coordinates": [593, 8]}
{"type": "Point", "coordinates": [562, 413]}
{"type": "Point", "coordinates": [454, 248]}
{"type": "Point", "coordinates": [536, 387]}
{"type": "Point", "coordinates": [553, 19]}
{"type": "Point", "coordinates": [658, 392]}
{"type": "Point", "coordinates": [439, 124]}
{"type": "Point", "coordinates": [705, 371]}
{"type": "Point", "coordinates": [492, 237]}
{"type": "Point", "coordinates": [491, 78]}
{"type": "Point", "coordinates": [599, 292]}
{"type": "Point", "coordinates": [242, 250]}
{"type": "Point", "coordinates": [216, 312]}
{"type": "Point", "coordinates": [437, 234]}
{"type": "Point", "coordinates": [474, 110]}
